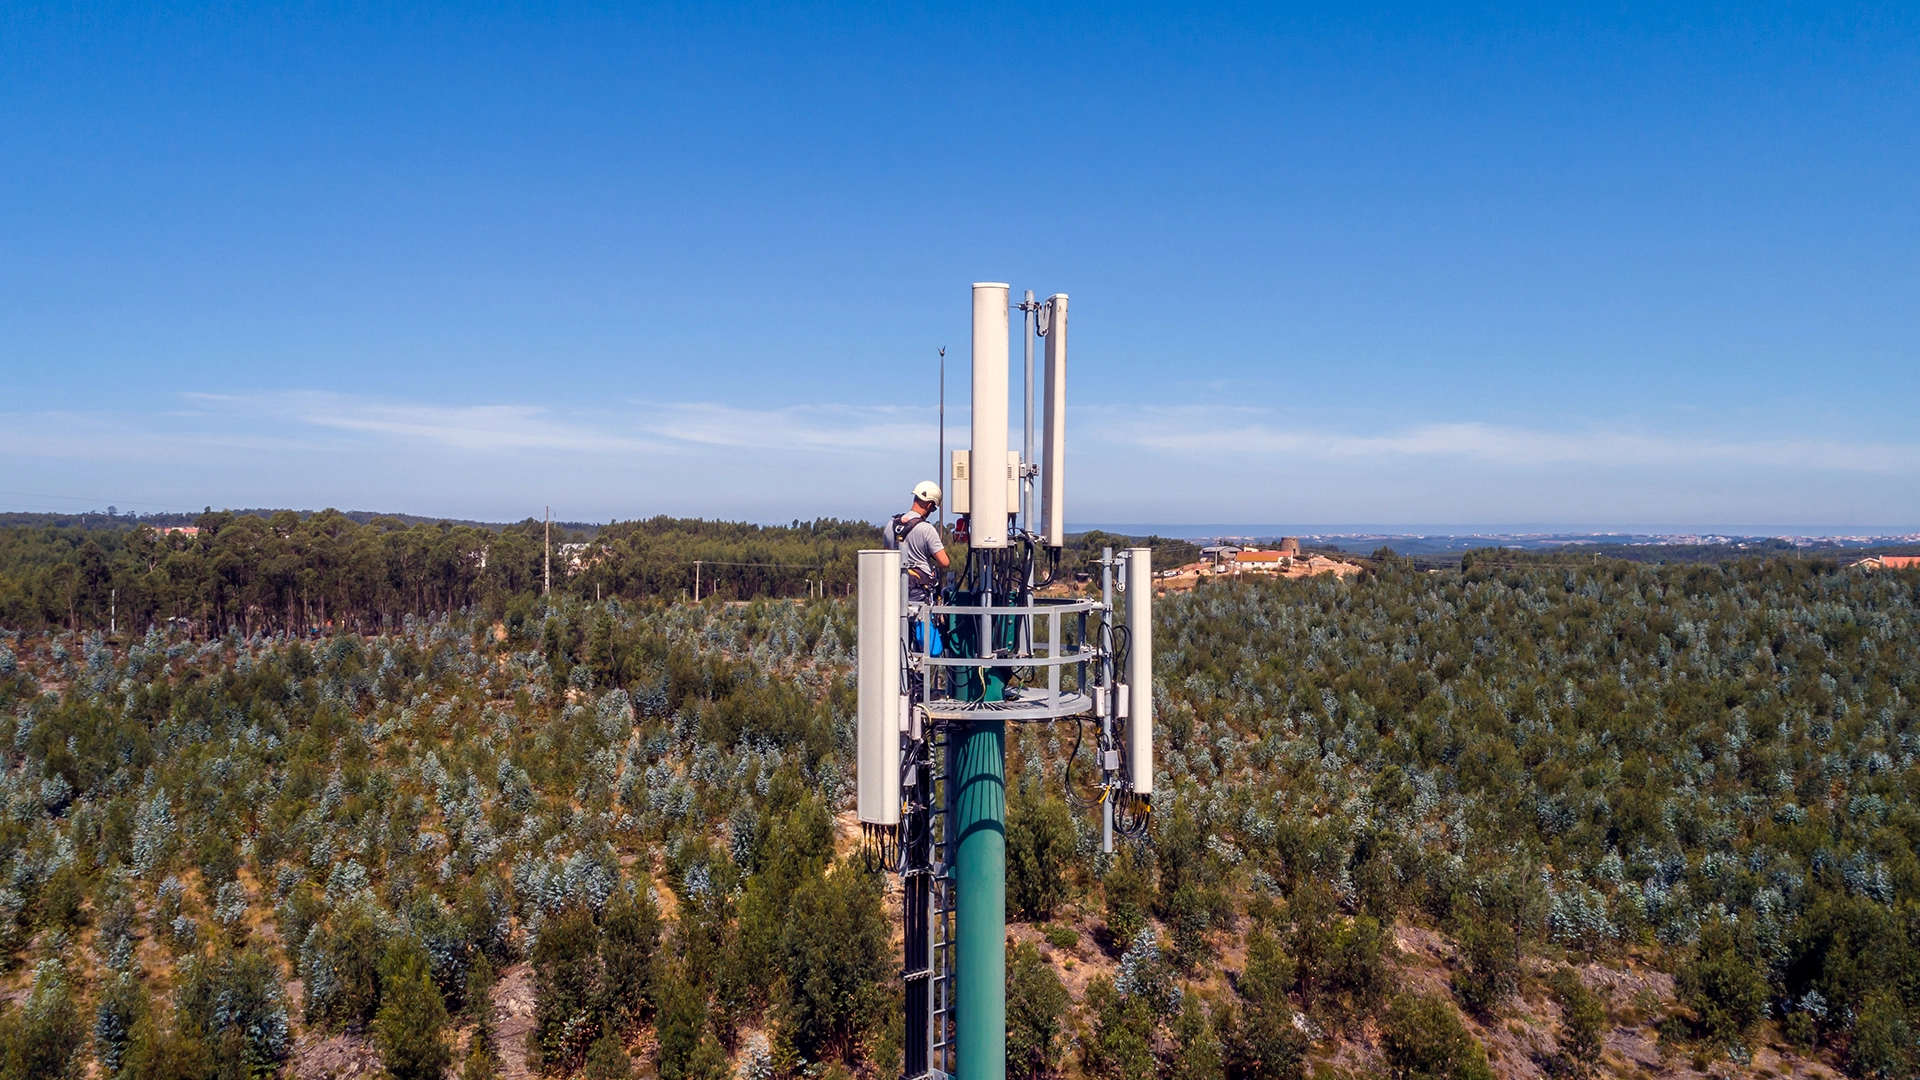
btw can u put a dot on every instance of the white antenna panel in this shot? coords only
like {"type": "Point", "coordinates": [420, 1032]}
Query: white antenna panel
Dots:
{"type": "Point", "coordinates": [959, 487]}
{"type": "Point", "coordinates": [1140, 669]}
{"type": "Point", "coordinates": [1053, 443]}
{"type": "Point", "coordinates": [879, 646]}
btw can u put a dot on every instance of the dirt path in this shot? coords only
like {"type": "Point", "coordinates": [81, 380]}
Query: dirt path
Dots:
{"type": "Point", "coordinates": [334, 1057]}
{"type": "Point", "coordinates": [512, 1019]}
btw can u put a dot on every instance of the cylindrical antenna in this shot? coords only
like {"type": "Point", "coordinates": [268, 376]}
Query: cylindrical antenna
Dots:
{"type": "Point", "coordinates": [987, 506]}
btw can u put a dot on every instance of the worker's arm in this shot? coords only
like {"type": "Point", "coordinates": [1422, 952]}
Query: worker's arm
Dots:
{"type": "Point", "coordinates": [941, 558]}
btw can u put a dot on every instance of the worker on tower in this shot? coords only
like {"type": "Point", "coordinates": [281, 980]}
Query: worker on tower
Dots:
{"type": "Point", "coordinates": [919, 544]}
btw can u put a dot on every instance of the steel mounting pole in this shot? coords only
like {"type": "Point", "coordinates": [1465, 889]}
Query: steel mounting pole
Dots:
{"type": "Point", "coordinates": [1027, 311]}
{"type": "Point", "coordinates": [1106, 713]}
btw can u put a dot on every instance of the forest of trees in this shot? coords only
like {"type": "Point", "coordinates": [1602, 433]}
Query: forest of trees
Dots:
{"type": "Point", "coordinates": [217, 850]}
{"type": "Point", "coordinates": [284, 572]}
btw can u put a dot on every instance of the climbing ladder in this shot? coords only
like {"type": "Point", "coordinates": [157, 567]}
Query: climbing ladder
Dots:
{"type": "Point", "coordinates": [927, 906]}
{"type": "Point", "coordinates": [940, 1060]}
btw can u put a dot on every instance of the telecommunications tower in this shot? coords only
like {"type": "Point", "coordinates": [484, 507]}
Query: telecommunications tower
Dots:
{"type": "Point", "coordinates": [939, 679]}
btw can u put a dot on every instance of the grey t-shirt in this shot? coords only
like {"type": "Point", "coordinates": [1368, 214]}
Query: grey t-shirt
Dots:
{"type": "Point", "coordinates": [917, 550]}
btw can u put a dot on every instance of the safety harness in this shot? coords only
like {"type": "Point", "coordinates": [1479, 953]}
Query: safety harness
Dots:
{"type": "Point", "coordinates": [901, 526]}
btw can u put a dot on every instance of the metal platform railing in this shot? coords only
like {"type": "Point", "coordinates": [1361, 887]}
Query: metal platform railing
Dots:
{"type": "Point", "coordinates": [1023, 704]}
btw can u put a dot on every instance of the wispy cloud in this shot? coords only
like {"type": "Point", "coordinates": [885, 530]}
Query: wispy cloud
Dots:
{"type": "Point", "coordinates": [316, 420]}
{"type": "Point", "coordinates": [1254, 434]}
{"type": "Point", "coordinates": [637, 427]}
{"type": "Point", "coordinates": [859, 428]}
{"type": "Point", "coordinates": [1131, 462]}
{"type": "Point", "coordinates": [487, 428]}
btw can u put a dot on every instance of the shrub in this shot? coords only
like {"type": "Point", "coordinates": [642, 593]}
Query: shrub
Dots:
{"type": "Point", "coordinates": [1036, 1010]}
{"type": "Point", "coordinates": [1582, 1020]}
{"type": "Point", "coordinates": [1725, 992]}
{"type": "Point", "coordinates": [1883, 1045]}
{"type": "Point", "coordinates": [1490, 965]}
{"type": "Point", "coordinates": [1424, 1040]}
{"type": "Point", "coordinates": [1039, 849]}
{"type": "Point", "coordinates": [629, 940]}
{"type": "Point", "coordinates": [608, 1060]}
{"type": "Point", "coordinates": [567, 989]}
{"type": "Point", "coordinates": [1266, 1044]}
{"type": "Point", "coordinates": [1121, 1046]}
{"type": "Point", "coordinates": [40, 1041]}
{"type": "Point", "coordinates": [408, 1027]}
{"type": "Point", "coordinates": [1197, 1054]}
{"type": "Point", "coordinates": [836, 959]}
{"type": "Point", "coordinates": [123, 1004]}
{"type": "Point", "coordinates": [1128, 890]}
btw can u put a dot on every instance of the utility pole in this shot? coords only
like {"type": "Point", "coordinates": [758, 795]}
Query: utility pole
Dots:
{"type": "Point", "coordinates": [546, 573]}
{"type": "Point", "coordinates": [113, 613]}
{"type": "Point", "coordinates": [696, 581]}
{"type": "Point", "coordinates": [940, 466]}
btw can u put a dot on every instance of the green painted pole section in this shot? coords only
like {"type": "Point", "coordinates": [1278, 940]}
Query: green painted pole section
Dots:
{"type": "Point", "coordinates": [980, 867]}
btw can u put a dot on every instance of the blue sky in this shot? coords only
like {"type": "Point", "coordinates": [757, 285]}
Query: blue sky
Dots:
{"type": "Point", "coordinates": [1637, 266]}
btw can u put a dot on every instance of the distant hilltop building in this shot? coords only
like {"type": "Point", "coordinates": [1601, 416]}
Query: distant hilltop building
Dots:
{"type": "Point", "coordinates": [1227, 559]}
{"type": "Point", "coordinates": [1232, 558]}
{"type": "Point", "coordinates": [1261, 560]}
{"type": "Point", "coordinates": [1219, 553]}
{"type": "Point", "coordinates": [183, 530]}
{"type": "Point", "coordinates": [1889, 562]}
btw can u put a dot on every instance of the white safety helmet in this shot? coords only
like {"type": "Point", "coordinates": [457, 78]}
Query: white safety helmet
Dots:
{"type": "Point", "coordinates": [928, 492]}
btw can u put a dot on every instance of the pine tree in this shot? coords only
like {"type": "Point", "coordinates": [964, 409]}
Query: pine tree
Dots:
{"type": "Point", "coordinates": [1128, 889]}
{"type": "Point", "coordinates": [408, 1028]}
{"type": "Point", "coordinates": [1197, 1051]}
{"type": "Point", "coordinates": [709, 1061]}
{"type": "Point", "coordinates": [567, 989]}
{"type": "Point", "coordinates": [477, 1000]}
{"type": "Point", "coordinates": [479, 1063]}
{"type": "Point", "coordinates": [1582, 1019]}
{"type": "Point", "coordinates": [123, 1004]}
{"type": "Point", "coordinates": [798, 849]}
{"type": "Point", "coordinates": [1425, 1040]}
{"type": "Point", "coordinates": [1039, 848]}
{"type": "Point", "coordinates": [608, 1060]}
{"type": "Point", "coordinates": [629, 940]}
{"type": "Point", "coordinates": [836, 960]}
{"type": "Point", "coordinates": [682, 1023]}
{"type": "Point", "coordinates": [154, 1053]}
{"type": "Point", "coordinates": [1492, 964]}
{"type": "Point", "coordinates": [1036, 1011]}
{"type": "Point", "coordinates": [1265, 1044]}
{"type": "Point", "coordinates": [1121, 1047]}
{"type": "Point", "coordinates": [40, 1041]}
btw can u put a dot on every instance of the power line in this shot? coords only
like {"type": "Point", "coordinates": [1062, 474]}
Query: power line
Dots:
{"type": "Point", "coordinates": [764, 565]}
